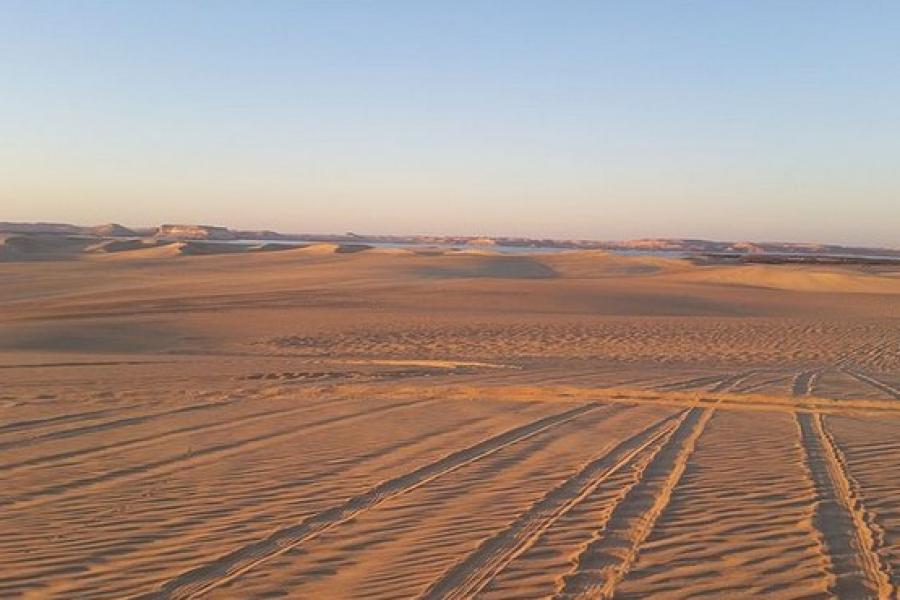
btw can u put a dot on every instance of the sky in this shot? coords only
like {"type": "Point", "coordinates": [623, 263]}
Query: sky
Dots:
{"type": "Point", "coordinates": [721, 119]}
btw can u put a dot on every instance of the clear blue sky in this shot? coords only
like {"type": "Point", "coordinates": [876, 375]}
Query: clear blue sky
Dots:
{"type": "Point", "coordinates": [718, 119]}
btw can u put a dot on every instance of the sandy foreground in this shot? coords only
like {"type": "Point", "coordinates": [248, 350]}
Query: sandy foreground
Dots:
{"type": "Point", "coordinates": [313, 423]}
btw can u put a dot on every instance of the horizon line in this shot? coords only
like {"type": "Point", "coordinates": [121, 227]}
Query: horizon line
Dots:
{"type": "Point", "coordinates": [448, 235]}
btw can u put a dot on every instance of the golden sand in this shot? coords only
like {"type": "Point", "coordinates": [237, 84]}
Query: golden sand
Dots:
{"type": "Point", "coordinates": [184, 421]}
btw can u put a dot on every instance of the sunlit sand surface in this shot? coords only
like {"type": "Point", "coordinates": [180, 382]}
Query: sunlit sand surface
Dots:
{"type": "Point", "coordinates": [309, 423]}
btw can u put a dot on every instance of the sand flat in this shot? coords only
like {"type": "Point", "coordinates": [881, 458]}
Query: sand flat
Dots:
{"type": "Point", "coordinates": [318, 423]}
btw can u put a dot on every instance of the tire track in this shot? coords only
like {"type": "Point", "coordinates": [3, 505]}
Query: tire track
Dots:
{"type": "Point", "coordinates": [842, 519]}
{"type": "Point", "coordinates": [873, 534]}
{"type": "Point", "coordinates": [107, 425]}
{"type": "Point", "coordinates": [118, 363]}
{"type": "Point", "coordinates": [195, 530]}
{"type": "Point", "coordinates": [593, 379]}
{"type": "Point", "coordinates": [67, 418]}
{"type": "Point", "coordinates": [534, 378]}
{"type": "Point", "coordinates": [156, 438]}
{"type": "Point", "coordinates": [470, 576]}
{"type": "Point", "coordinates": [879, 385]}
{"type": "Point", "coordinates": [220, 571]}
{"type": "Point", "coordinates": [606, 560]}
{"type": "Point", "coordinates": [745, 389]}
{"type": "Point", "coordinates": [730, 383]}
{"type": "Point", "coordinates": [191, 458]}
{"type": "Point", "coordinates": [689, 384]}
{"type": "Point", "coordinates": [804, 383]}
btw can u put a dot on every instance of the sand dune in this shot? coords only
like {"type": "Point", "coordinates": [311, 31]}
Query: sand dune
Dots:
{"type": "Point", "coordinates": [159, 249]}
{"type": "Point", "coordinates": [196, 419]}
{"type": "Point", "coordinates": [801, 279]}
{"type": "Point", "coordinates": [41, 247]}
{"type": "Point", "coordinates": [479, 263]}
{"type": "Point", "coordinates": [596, 263]}
{"type": "Point", "coordinates": [467, 266]}
{"type": "Point", "coordinates": [111, 246]}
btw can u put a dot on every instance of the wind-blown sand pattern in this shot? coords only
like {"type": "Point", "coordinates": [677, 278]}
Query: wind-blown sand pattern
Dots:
{"type": "Point", "coordinates": [183, 421]}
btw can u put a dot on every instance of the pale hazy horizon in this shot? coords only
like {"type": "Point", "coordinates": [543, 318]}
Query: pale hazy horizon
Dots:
{"type": "Point", "coordinates": [578, 120]}
{"type": "Point", "coordinates": [448, 234]}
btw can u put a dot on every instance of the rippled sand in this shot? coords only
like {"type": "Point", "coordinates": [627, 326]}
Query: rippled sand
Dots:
{"type": "Point", "coordinates": [316, 424]}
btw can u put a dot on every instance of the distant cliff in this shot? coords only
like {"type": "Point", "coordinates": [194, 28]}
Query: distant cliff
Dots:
{"type": "Point", "coordinates": [676, 245]}
{"type": "Point", "coordinates": [108, 230]}
{"type": "Point", "coordinates": [195, 232]}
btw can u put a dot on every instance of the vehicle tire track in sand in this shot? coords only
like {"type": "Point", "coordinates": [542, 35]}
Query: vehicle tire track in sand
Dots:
{"type": "Point", "coordinates": [156, 438]}
{"type": "Point", "coordinates": [879, 385]}
{"type": "Point", "coordinates": [192, 458]}
{"type": "Point", "coordinates": [107, 425]}
{"type": "Point", "coordinates": [752, 387]}
{"type": "Point", "coordinates": [606, 560]}
{"type": "Point", "coordinates": [697, 382]}
{"type": "Point", "coordinates": [842, 519]}
{"type": "Point", "coordinates": [472, 574]}
{"type": "Point", "coordinates": [114, 363]}
{"type": "Point", "coordinates": [804, 383]}
{"type": "Point", "coordinates": [608, 378]}
{"type": "Point", "coordinates": [728, 384]}
{"type": "Point", "coordinates": [194, 531]}
{"type": "Point", "coordinates": [874, 533]}
{"type": "Point", "coordinates": [45, 421]}
{"type": "Point", "coordinates": [202, 579]}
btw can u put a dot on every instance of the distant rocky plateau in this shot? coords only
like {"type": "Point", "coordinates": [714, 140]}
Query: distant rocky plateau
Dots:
{"type": "Point", "coordinates": [753, 251]}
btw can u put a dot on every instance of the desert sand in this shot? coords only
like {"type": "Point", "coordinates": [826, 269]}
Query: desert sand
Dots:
{"type": "Point", "coordinates": [184, 420]}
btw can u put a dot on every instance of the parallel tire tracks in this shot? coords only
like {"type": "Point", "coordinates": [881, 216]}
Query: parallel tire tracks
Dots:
{"type": "Point", "coordinates": [115, 424]}
{"type": "Point", "coordinates": [16, 426]}
{"type": "Point", "coordinates": [472, 574]}
{"type": "Point", "coordinates": [752, 387]}
{"type": "Point", "coordinates": [192, 458]}
{"type": "Point", "coordinates": [688, 384]}
{"type": "Point", "coordinates": [804, 383]}
{"type": "Point", "coordinates": [230, 566]}
{"type": "Point", "coordinates": [605, 561]}
{"type": "Point", "coordinates": [879, 385]}
{"type": "Point", "coordinates": [842, 519]}
{"type": "Point", "coordinates": [731, 382]}
{"type": "Point", "coordinates": [157, 438]}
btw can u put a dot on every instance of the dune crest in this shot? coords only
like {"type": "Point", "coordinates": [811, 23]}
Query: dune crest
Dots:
{"type": "Point", "coordinates": [790, 277]}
